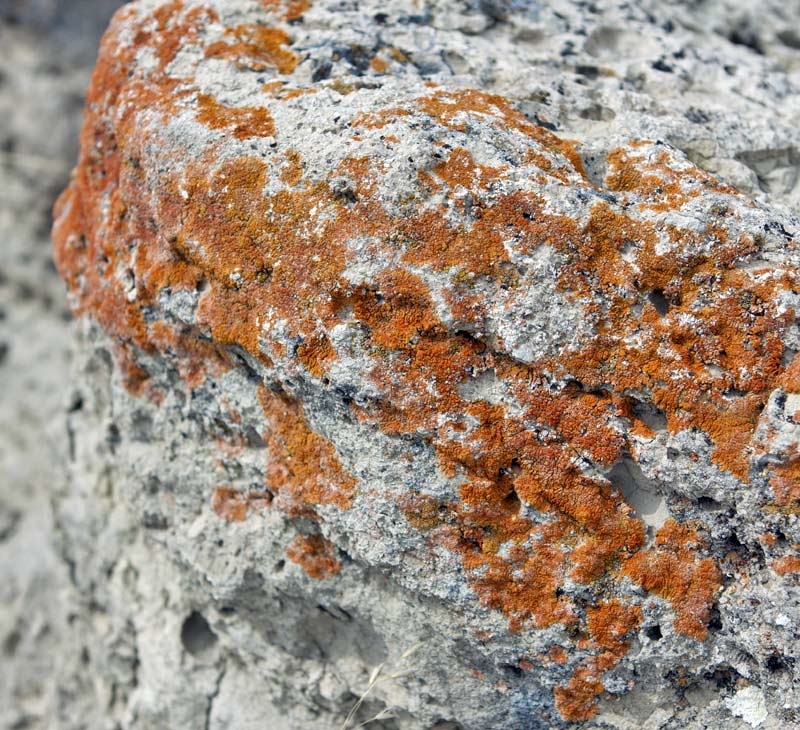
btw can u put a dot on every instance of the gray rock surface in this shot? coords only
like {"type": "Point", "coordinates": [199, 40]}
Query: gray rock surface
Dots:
{"type": "Point", "coordinates": [242, 556]}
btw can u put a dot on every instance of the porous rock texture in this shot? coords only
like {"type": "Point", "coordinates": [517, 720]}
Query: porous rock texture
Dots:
{"type": "Point", "coordinates": [461, 327]}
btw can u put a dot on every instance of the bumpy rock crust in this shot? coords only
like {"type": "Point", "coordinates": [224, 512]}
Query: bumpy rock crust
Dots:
{"type": "Point", "coordinates": [529, 346]}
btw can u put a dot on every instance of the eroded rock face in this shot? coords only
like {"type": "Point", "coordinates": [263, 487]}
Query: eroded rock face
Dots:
{"type": "Point", "coordinates": [385, 360]}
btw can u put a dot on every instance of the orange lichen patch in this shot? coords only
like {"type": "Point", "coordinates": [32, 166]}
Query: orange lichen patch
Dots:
{"type": "Point", "coordinates": [316, 353]}
{"type": "Point", "coordinates": [434, 241]}
{"type": "Point", "coordinates": [585, 420]}
{"type": "Point", "coordinates": [242, 122]}
{"type": "Point", "coordinates": [577, 701]}
{"type": "Point", "coordinates": [461, 169]}
{"type": "Point", "coordinates": [456, 108]}
{"type": "Point", "coordinates": [674, 571]}
{"type": "Point", "coordinates": [421, 511]}
{"type": "Point", "coordinates": [288, 9]}
{"type": "Point", "coordinates": [769, 539]}
{"type": "Point", "coordinates": [235, 506]}
{"type": "Point", "coordinates": [524, 587]}
{"type": "Point", "coordinates": [610, 622]}
{"type": "Point", "coordinates": [175, 29]}
{"type": "Point", "coordinates": [790, 381]}
{"type": "Point", "coordinates": [292, 171]}
{"type": "Point", "coordinates": [90, 251]}
{"type": "Point", "coordinates": [373, 120]}
{"type": "Point", "coordinates": [257, 48]}
{"type": "Point", "coordinates": [304, 469]}
{"type": "Point", "coordinates": [230, 504]}
{"type": "Point", "coordinates": [787, 565]}
{"type": "Point", "coordinates": [557, 654]}
{"type": "Point", "coordinates": [379, 65]}
{"type": "Point", "coordinates": [719, 318]}
{"type": "Point", "coordinates": [315, 554]}
{"type": "Point", "coordinates": [196, 357]}
{"type": "Point", "coordinates": [644, 168]}
{"type": "Point", "coordinates": [785, 480]}
{"type": "Point", "coordinates": [397, 311]}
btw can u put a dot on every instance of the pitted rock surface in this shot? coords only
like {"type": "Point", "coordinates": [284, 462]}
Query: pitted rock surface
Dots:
{"type": "Point", "coordinates": [392, 350]}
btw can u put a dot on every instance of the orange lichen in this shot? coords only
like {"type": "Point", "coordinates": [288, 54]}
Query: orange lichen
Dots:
{"type": "Point", "coordinates": [304, 469]}
{"type": "Point", "coordinates": [785, 480]}
{"type": "Point", "coordinates": [609, 623]}
{"type": "Point", "coordinates": [577, 701]}
{"type": "Point", "coordinates": [787, 565]}
{"type": "Point", "coordinates": [266, 250]}
{"type": "Point", "coordinates": [379, 65]}
{"type": "Point", "coordinates": [673, 570]}
{"type": "Point", "coordinates": [289, 9]}
{"type": "Point", "coordinates": [241, 122]}
{"type": "Point", "coordinates": [256, 47]}
{"type": "Point", "coordinates": [314, 554]}
{"type": "Point", "coordinates": [234, 506]}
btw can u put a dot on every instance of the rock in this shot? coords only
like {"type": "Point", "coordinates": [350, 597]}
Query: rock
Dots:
{"type": "Point", "coordinates": [418, 361]}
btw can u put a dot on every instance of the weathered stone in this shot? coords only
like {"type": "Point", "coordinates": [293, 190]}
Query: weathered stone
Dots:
{"type": "Point", "coordinates": [374, 356]}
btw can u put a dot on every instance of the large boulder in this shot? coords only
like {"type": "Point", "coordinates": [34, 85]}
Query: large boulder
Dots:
{"type": "Point", "coordinates": [386, 359]}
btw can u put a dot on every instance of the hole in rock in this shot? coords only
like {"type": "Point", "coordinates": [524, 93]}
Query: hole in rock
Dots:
{"type": "Point", "coordinates": [512, 503]}
{"type": "Point", "coordinates": [639, 492]}
{"type": "Point", "coordinates": [659, 301]}
{"type": "Point", "coordinates": [715, 622]}
{"type": "Point", "coordinates": [777, 662]}
{"type": "Point", "coordinates": [653, 632]}
{"type": "Point", "coordinates": [196, 635]}
{"type": "Point", "coordinates": [649, 414]}
{"type": "Point", "coordinates": [709, 505]}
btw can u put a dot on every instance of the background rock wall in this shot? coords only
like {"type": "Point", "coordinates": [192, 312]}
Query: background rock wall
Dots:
{"type": "Point", "coordinates": [47, 49]}
{"type": "Point", "coordinates": [135, 645]}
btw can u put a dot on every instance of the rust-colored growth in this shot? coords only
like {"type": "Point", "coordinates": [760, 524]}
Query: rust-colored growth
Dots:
{"type": "Point", "coordinates": [398, 311]}
{"type": "Point", "coordinates": [288, 9]}
{"type": "Point", "coordinates": [675, 320]}
{"type": "Point", "coordinates": [241, 122]}
{"type": "Point", "coordinates": [577, 701]}
{"type": "Point", "coordinates": [256, 47]}
{"type": "Point", "coordinates": [314, 554]}
{"type": "Point", "coordinates": [610, 622]}
{"type": "Point", "coordinates": [196, 357]}
{"type": "Point", "coordinates": [787, 565]}
{"type": "Point", "coordinates": [785, 481]}
{"type": "Point", "coordinates": [674, 571]}
{"type": "Point", "coordinates": [230, 504]}
{"type": "Point", "coordinates": [233, 505]}
{"type": "Point", "coordinates": [422, 512]}
{"type": "Point", "coordinates": [379, 65]}
{"type": "Point", "coordinates": [304, 468]}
